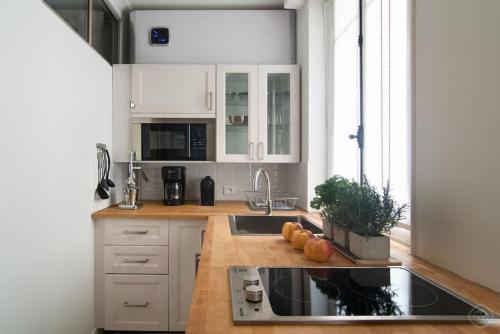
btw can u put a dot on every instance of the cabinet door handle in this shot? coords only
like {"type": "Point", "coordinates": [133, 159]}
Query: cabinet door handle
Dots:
{"type": "Point", "coordinates": [132, 105]}
{"type": "Point", "coordinates": [211, 101]}
{"type": "Point", "coordinates": [135, 232]}
{"type": "Point", "coordinates": [197, 258]}
{"type": "Point", "coordinates": [136, 261]}
{"type": "Point", "coordinates": [126, 304]}
{"type": "Point", "coordinates": [261, 151]}
{"type": "Point", "coordinates": [252, 151]}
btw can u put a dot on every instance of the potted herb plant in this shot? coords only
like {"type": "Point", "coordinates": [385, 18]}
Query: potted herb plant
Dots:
{"type": "Point", "coordinates": [328, 199]}
{"type": "Point", "coordinates": [371, 215]}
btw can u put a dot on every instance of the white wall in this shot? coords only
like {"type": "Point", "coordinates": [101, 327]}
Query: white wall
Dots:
{"type": "Point", "coordinates": [312, 170]}
{"type": "Point", "coordinates": [215, 37]}
{"type": "Point", "coordinates": [456, 222]}
{"type": "Point", "coordinates": [55, 94]}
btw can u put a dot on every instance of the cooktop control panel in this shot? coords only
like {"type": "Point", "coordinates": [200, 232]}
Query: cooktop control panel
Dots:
{"type": "Point", "coordinates": [247, 293]}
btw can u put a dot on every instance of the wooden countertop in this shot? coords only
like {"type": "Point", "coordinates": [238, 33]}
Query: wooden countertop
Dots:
{"type": "Point", "coordinates": [211, 305]}
{"type": "Point", "coordinates": [156, 210]}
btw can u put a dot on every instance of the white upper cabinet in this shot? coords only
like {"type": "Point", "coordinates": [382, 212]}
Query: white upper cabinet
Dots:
{"type": "Point", "coordinates": [258, 113]}
{"type": "Point", "coordinates": [279, 113]}
{"type": "Point", "coordinates": [237, 113]}
{"type": "Point", "coordinates": [160, 90]}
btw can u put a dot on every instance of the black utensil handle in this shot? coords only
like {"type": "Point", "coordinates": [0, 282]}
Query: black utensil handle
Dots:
{"type": "Point", "coordinates": [109, 163]}
{"type": "Point", "coordinates": [110, 183]}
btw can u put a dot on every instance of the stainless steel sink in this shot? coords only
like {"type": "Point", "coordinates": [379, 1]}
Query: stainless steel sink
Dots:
{"type": "Point", "coordinates": [267, 225]}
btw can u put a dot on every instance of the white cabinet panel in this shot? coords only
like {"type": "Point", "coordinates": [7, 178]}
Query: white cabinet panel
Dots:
{"type": "Point", "coordinates": [136, 232]}
{"type": "Point", "coordinates": [258, 113]}
{"type": "Point", "coordinates": [185, 248]}
{"type": "Point", "coordinates": [136, 302]}
{"type": "Point", "coordinates": [237, 113]}
{"type": "Point", "coordinates": [279, 114]}
{"type": "Point", "coordinates": [173, 90]}
{"type": "Point", "coordinates": [136, 259]}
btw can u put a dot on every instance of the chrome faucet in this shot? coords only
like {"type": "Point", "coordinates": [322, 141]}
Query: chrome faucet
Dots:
{"type": "Point", "coordinates": [269, 209]}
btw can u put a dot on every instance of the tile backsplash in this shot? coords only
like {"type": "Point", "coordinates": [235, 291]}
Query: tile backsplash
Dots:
{"type": "Point", "coordinates": [239, 175]}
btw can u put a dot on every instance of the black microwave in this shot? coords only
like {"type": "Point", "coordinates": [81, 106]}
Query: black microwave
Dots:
{"type": "Point", "coordinates": [173, 141]}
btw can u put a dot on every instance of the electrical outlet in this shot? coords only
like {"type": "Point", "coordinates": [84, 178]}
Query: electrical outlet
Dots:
{"type": "Point", "coordinates": [228, 190]}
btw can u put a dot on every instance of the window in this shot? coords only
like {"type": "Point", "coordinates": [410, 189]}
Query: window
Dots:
{"type": "Point", "coordinates": [74, 12]}
{"type": "Point", "coordinates": [386, 120]}
{"type": "Point", "coordinates": [342, 30]}
{"type": "Point", "coordinates": [94, 22]}
{"type": "Point", "coordinates": [104, 31]}
{"type": "Point", "coordinates": [385, 156]}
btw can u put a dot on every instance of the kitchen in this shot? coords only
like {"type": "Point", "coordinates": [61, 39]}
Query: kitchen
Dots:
{"type": "Point", "coordinates": [191, 110]}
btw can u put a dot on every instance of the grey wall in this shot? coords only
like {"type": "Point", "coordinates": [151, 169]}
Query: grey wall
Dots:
{"type": "Point", "coordinates": [215, 37]}
{"type": "Point", "coordinates": [55, 94]}
{"type": "Point", "coordinates": [456, 223]}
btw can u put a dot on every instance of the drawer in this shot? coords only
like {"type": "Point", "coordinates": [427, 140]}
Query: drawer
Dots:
{"type": "Point", "coordinates": [136, 232]}
{"type": "Point", "coordinates": [136, 302]}
{"type": "Point", "coordinates": [136, 259]}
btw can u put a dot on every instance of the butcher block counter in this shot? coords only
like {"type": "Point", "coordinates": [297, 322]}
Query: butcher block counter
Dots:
{"type": "Point", "coordinates": [211, 301]}
{"type": "Point", "coordinates": [156, 210]}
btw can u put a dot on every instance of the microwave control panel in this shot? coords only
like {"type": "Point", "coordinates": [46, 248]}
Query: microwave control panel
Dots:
{"type": "Point", "coordinates": [198, 133]}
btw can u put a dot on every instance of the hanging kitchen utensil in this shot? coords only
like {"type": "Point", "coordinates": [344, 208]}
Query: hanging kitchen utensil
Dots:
{"type": "Point", "coordinates": [104, 184]}
{"type": "Point", "coordinates": [101, 192]}
{"type": "Point", "coordinates": [110, 183]}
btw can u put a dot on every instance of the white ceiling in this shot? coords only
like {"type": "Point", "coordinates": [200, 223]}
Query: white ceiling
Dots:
{"type": "Point", "coordinates": [198, 4]}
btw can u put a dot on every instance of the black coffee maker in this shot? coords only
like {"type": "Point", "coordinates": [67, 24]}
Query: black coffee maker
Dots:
{"type": "Point", "coordinates": [174, 185]}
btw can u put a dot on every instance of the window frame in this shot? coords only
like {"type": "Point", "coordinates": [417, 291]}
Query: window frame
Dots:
{"type": "Point", "coordinates": [88, 31]}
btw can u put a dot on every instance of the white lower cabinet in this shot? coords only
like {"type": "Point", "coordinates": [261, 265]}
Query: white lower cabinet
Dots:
{"type": "Point", "coordinates": [136, 232]}
{"type": "Point", "coordinates": [136, 259]}
{"type": "Point", "coordinates": [145, 272]}
{"type": "Point", "coordinates": [136, 302]}
{"type": "Point", "coordinates": [186, 239]}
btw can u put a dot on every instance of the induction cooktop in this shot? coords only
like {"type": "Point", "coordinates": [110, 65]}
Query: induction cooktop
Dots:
{"type": "Point", "coordinates": [343, 294]}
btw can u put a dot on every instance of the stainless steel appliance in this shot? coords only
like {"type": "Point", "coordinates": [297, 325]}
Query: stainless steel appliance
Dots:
{"type": "Point", "coordinates": [174, 185]}
{"type": "Point", "coordinates": [158, 140]}
{"type": "Point", "coordinates": [132, 192]}
{"type": "Point", "coordinates": [343, 295]}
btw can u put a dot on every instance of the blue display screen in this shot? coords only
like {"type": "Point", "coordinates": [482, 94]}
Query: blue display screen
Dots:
{"type": "Point", "coordinates": [159, 36]}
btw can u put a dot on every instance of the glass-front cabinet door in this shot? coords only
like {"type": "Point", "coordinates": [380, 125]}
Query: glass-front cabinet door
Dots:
{"type": "Point", "coordinates": [237, 113]}
{"type": "Point", "coordinates": [279, 114]}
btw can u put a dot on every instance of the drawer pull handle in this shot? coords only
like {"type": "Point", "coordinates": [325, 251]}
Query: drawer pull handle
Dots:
{"type": "Point", "coordinates": [135, 232]}
{"type": "Point", "coordinates": [136, 261]}
{"type": "Point", "coordinates": [211, 98]}
{"type": "Point", "coordinates": [126, 304]}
